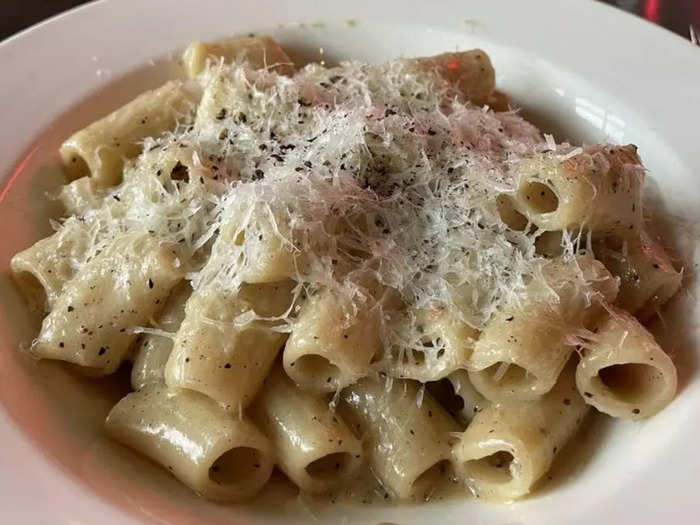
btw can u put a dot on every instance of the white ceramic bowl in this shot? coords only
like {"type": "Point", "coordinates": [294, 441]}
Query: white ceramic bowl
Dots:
{"type": "Point", "coordinates": [581, 70]}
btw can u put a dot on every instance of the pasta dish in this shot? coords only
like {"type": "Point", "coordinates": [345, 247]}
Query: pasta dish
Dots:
{"type": "Point", "coordinates": [360, 270]}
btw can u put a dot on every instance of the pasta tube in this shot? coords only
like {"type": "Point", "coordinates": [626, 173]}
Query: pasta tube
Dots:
{"type": "Point", "coordinates": [217, 456]}
{"type": "Point", "coordinates": [624, 372]}
{"type": "Point", "coordinates": [509, 446]}
{"type": "Point", "coordinates": [122, 287]}
{"type": "Point", "coordinates": [80, 195]}
{"type": "Point", "coordinates": [599, 190]}
{"type": "Point", "coordinates": [42, 270]}
{"type": "Point", "coordinates": [269, 256]}
{"type": "Point", "coordinates": [524, 347]}
{"type": "Point", "coordinates": [470, 72]}
{"type": "Point", "coordinates": [436, 343]}
{"type": "Point", "coordinates": [153, 350]}
{"type": "Point", "coordinates": [647, 276]}
{"type": "Point", "coordinates": [314, 446]}
{"type": "Point", "coordinates": [406, 434]}
{"type": "Point", "coordinates": [220, 355]}
{"type": "Point", "coordinates": [99, 150]}
{"type": "Point", "coordinates": [259, 52]}
{"type": "Point", "coordinates": [326, 351]}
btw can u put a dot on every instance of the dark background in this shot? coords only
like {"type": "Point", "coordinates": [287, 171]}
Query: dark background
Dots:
{"type": "Point", "coordinates": [675, 15]}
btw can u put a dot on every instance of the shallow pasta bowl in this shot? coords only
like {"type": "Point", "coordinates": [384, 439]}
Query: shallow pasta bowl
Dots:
{"type": "Point", "coordinates": [580, 71]}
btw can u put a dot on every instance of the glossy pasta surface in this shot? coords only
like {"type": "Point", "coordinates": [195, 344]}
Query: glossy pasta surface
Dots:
{"type": "Point", "coordinates": [348, 273]}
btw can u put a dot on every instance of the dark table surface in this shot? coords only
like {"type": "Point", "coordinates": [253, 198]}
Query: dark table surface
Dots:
{"type": "Point", "coordinates": [676, 15]}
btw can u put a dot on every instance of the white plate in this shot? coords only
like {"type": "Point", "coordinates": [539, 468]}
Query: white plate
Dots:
{"type": "Point", "coordinates": [580, 69]}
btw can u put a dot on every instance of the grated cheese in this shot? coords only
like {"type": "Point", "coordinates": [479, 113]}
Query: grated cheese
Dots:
{"type": "Point", "coordinates": [363, 171]}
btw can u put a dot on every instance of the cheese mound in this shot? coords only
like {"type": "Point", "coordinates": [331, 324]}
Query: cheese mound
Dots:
{"type": "Point", "coordinates": [373, 177]}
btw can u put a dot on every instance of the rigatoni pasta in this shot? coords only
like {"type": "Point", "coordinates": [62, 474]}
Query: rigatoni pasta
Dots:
{"type": "Point", "coordinates": [259, 52]}
{"type": "Point", "coordinates": [99, 150]}
{"type": "Point", "coordinates": [217, 355]}
{"type": "Point", "coordinates": [508, 447]}
{"type": "Point", "coordinates": [80, 195]}
{"type": "Point", "coordinates": [123, 286]}
{"type": "Point", "coordinates": [43, 269]}
{"type": "Point", "coordinates": [317, 451]}
{"type": "Point", "coordinates": [470, 72]}
{"type": "Point", "coordinates": [647, 276]}
{"type": "Point", "coordinates": [153, 349]}
{"type": "Point", "coordinates": [327, 351]}
{"type": "Point", "coordinates": [623, 371]}
{"type": "Point", "coordinates": [435, 343]}
{"type": "Point", "coordinates": [362, 275]}
{"type": "Point", "coordinates": [220, 457]}
{"type": "Point", "coordinates": [598, 189]}
{"type": "Point", "coordinates": [523, 348]}
{"type": "Point", "coordinates": [407, 434]}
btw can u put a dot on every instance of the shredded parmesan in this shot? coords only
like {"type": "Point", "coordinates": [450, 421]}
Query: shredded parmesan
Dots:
{"type": "Point", "coordinates": [364, 172]}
